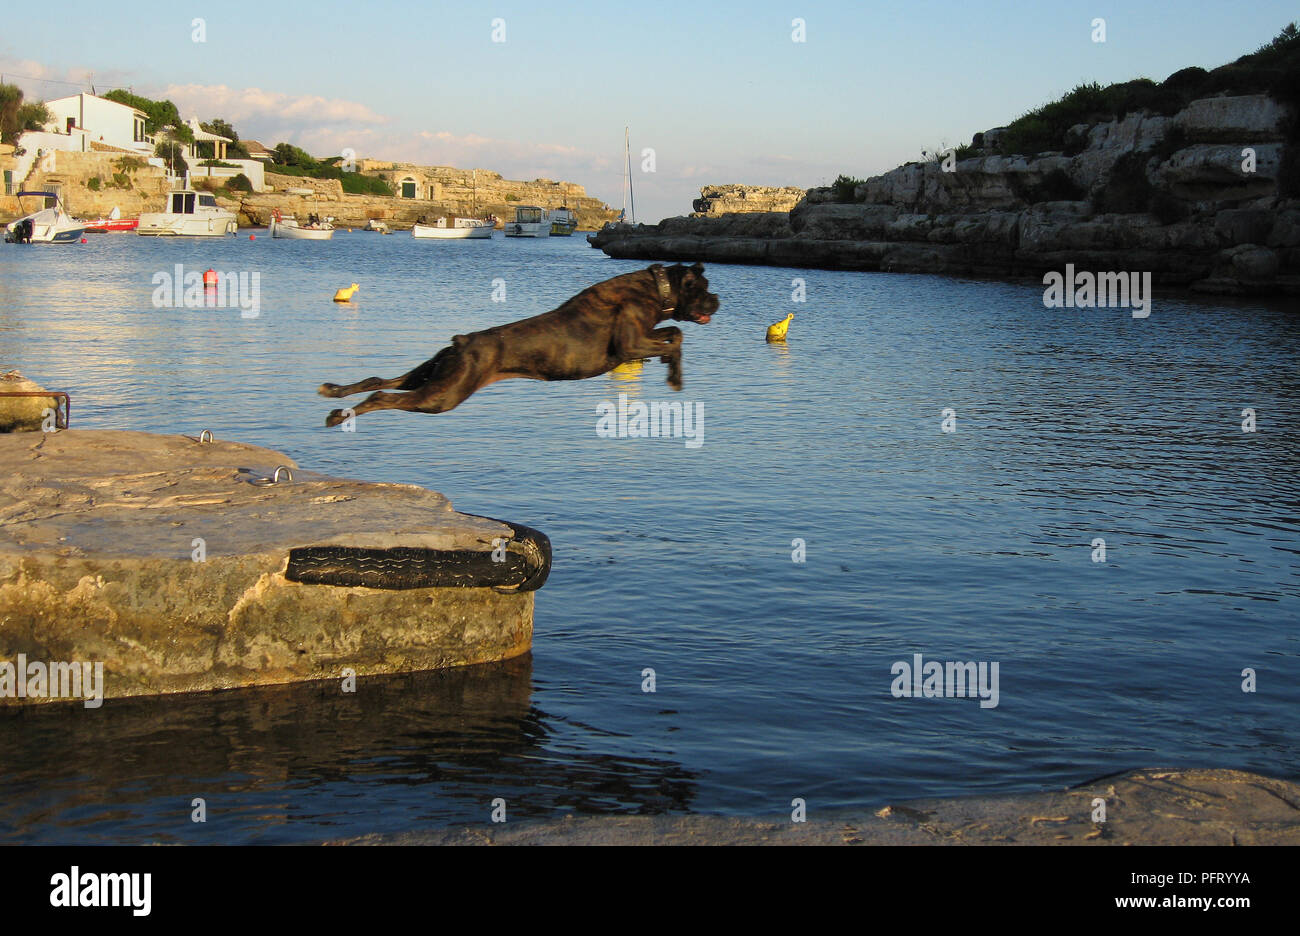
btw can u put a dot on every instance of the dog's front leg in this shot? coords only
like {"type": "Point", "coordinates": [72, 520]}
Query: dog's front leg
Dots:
{"type": "Point", "coordinates": [664, 343]}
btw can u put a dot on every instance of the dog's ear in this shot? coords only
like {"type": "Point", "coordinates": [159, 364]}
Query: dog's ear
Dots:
{"type": "Point", "coordinates": [698, 269]}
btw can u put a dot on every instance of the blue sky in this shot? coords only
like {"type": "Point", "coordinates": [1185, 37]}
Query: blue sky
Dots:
{"type": "Point", "coordinates": [720, 92]}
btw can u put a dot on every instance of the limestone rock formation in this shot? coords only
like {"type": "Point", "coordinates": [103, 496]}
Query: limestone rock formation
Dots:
{"type": "Point", "coordinates": [174, 564]}
{"type": "Point", "coordinates": [22, 413]}
{"type": "Point", "coordinates": [1198, 199]}
{"type": "Point", "coordinates": [717, 200]}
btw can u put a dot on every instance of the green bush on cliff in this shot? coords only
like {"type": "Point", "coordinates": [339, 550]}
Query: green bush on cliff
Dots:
{"type": "Point", "coordinates": [93, 183]}
{"type": "Point", "coordinates": [1274, 69]}
{"type": "Point", "coordinates": [239, 183]}
{"type": "Point", "coordinates": [354, 183]}
{"type": "Point", "coordinates": [844, 187]}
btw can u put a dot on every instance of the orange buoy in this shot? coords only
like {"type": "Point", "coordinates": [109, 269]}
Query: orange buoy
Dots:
{"type": "Point", "coordinates": [252, 237]}
{"type": "Point", "coordinates": [210, 278]}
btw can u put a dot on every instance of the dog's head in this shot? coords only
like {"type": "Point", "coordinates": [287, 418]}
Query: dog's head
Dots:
{"type": "Point", "coordinates": [694, 301]}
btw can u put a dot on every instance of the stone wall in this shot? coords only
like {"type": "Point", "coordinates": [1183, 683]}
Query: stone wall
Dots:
{"type": "Point", "coordinates": [1195, 199]}
{"type": "Point", "coordinates": [92, 184]}
{"type": "Point", "coordinates": [718, 200]}
{"type": "Point", "coordinates": [454, 187]}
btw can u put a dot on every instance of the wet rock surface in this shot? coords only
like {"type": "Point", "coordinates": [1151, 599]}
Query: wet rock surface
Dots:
{"type": "Point", "coordinates": [165, 558]}
{"type": "Point", "coordinates": [1143, 807]}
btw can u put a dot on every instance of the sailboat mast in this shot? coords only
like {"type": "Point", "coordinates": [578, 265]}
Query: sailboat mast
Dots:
{"type": "Point", "coordinates": [627, 173]}
{"type": "Point", "coordinates": [623, 214]}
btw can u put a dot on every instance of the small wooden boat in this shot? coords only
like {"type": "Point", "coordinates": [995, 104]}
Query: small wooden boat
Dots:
{"type": "Point", "coordinates": [112, 224]}
{"type": "Point", "coordinates": [290, 229]}
{"type": "Point", "coordinates": [451, 227]}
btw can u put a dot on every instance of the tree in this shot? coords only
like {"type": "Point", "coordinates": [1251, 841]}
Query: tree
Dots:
{"type": "Point", "coordinates": [17, 117]}
{"type": "Point", "coordinates": [158, 114]}
{"type": "Point", "coordinates": [234, 149]}
{"type": "Point", "coordinates": [286, 154]}
{"type": "Point", "coordinates": [172, 148]}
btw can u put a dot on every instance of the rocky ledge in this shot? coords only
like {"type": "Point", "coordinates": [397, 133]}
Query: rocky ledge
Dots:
{"type": "Point", "coordinates": [1142, 807]}
{"type": "Point", "coordinates": [1198, 199]}
{"type": "Point", "coordinates": [183, 565]}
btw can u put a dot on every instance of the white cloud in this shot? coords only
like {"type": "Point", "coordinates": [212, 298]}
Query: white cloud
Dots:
{"type": "Point", "coordinates": [255, 106]}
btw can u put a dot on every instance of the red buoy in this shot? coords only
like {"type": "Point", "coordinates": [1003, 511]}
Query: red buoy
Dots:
{"type": "Point", "coordinates": [83, 240]}
{"type": "Point", "coordinates": [210, 278]}
{"type": "Point", "coordinates": [252, 237]}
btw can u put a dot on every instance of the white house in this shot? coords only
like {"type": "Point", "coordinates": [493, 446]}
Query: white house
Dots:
{"type": "Point", "coordinates": [253, 169]}
{"type": "Point", "coordinates": [88, 118]}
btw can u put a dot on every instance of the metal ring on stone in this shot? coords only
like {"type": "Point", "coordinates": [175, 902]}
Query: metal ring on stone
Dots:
{"type": "Point", "coordinates": [205, 436]}
{"type": "Point", "coordinates": [274, 479]}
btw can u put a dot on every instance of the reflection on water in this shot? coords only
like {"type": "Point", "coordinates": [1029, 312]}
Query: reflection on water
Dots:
{"type": "Point", "coordinates": [288, 763]}
{"type": "Point", "coordinates": [773, 676]}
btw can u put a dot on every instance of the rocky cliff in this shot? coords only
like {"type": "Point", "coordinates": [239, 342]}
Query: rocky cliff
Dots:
{"type": "Point", "coordinates": [716, 200]}
{"type": "Point", "coordinates": [1193, 197]}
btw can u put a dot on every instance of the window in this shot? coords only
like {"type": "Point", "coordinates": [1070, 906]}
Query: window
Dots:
{"type": "Point", "coordinates": [9, 182]}
{"type": "Point", "coordinates": [139, 130]}
{"type": "Point", "coordinates": [208, 201]}
{"type": "Point", "coordinates": [408, 188]}
{"type": "Point", "coordinates": [182, 203]}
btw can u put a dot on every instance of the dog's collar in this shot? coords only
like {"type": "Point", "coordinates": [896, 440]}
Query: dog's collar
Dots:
{"type": "Point", "coordinates": [665, 289]}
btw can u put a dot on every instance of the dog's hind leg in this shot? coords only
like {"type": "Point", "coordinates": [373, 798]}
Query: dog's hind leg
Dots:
{"type": "Point", "coordinates": [408, 381]}
{"type": "Point", "coordinates": [370, 383]}
{"type": "Point", "coordinates": [459, 374]}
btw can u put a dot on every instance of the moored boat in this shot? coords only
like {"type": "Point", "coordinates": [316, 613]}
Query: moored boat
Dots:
{"type": "Point", "coordinates": [563, 222]}
{"type": "Point", "coordinates": [451, 227]}
{"type": "Point", "coordinates": [189, 214]}
{"type": "Point", "coordinates": [112, 224]}
{"type": "Point", "coordinates": [290, 229]}
{"type": "Point", "coordinates": [48, 225]}
{"type": "Point", "coordinates": [530, 221]}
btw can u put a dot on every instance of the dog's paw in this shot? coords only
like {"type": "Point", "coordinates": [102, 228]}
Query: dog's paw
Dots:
{"type": "Point", "coordinates": [675, 383]}
{"type": "Point", "coordinates": [335, 417]}
{"type": "Point", "coordinates": [328, 389]}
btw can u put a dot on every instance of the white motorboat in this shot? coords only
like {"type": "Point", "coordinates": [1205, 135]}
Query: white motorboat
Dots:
{"type": "Point", "coordinates": [189, 214]}
{"type": "Point", "coordinates": [454, 228]}
{"type": "Point", "coordinates": [530, 221]}
{"type": "Point", "coordinates": [48, 225]}
{"type": "Point", "coordinates": [291, 229]}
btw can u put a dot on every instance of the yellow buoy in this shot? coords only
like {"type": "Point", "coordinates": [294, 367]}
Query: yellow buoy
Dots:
{"type": "Point", "coordinates": [777, 332]}
{"type": "Point", "coordinates": [345, 294]}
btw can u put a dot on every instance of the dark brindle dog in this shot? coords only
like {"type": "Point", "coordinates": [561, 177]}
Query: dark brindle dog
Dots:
{"type": "Point", "coordinates": [600, 328]}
